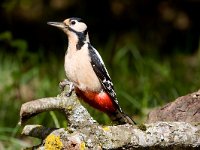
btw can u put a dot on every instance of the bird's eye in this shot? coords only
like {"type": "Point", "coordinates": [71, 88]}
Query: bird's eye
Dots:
{"type": "Point", "coordinates": [73, 23]}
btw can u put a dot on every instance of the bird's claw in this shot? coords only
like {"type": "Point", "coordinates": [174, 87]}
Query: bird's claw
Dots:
{"type": "Point", "coordinates": [68, 94]}
{"type": "Point", "coordinates": [71, 88]}
{"type": "Point", "coordinates": [65, 82]}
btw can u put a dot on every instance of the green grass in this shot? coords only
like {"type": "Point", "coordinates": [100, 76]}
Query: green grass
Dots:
{"type": "Point", "coordinates": [142, 82]}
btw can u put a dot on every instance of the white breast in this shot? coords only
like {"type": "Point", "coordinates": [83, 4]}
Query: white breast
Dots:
{"type": "Point", "coordinates": [79, 70]}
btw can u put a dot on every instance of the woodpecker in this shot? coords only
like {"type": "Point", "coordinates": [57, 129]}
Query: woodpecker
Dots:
{"type": "Point", "coordinates": [86, 72]}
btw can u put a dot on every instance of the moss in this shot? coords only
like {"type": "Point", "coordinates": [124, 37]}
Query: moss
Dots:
{"type": "Point", "coordinates": [142, 127]}
{"type": "Point", "coordinates": [53, 143]}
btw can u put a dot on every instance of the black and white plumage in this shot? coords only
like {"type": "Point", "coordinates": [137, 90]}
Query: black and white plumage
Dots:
{"type": "Point", "coordinates": [85, 68]}
{"type": "Point", "coordinates": [102, 73]}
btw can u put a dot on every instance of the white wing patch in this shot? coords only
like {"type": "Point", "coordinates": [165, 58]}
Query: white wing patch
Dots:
{"type": "Point", "coordinates": [101, 60]}
{"type": "Point", "coordinates": [109, 86]}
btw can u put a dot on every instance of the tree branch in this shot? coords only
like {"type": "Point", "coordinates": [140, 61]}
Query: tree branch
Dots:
{"type": "Point", "coordinates": [76, 115]}
{"type": "Point", "coordinates": [83, 132]}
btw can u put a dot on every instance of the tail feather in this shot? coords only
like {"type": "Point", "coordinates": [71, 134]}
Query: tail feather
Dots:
{"type": "Point", "coordinates": [121, 118]}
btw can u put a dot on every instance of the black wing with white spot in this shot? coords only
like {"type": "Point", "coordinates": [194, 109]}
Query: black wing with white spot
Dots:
{"type": "Point", "coordinates": [101, 72]}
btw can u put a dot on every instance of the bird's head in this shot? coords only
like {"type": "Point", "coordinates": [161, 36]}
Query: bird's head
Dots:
{"type": "Point", "coordinates": [72, 27]}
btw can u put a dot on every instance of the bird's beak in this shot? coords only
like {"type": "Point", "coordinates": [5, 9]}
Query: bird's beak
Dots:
{"type": "Point", "coordinates": [60, 25]}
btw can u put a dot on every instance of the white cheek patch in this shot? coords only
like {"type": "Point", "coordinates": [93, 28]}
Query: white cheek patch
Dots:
{"type": "Point", "coordinates": [80, 27]}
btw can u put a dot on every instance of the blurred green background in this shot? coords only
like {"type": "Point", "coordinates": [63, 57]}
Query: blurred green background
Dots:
{"type": "Point", "coordinates": [151, 50]}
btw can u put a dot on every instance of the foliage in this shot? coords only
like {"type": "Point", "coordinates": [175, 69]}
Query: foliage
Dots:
{"type": "Point", "coordinates": [24, 76]}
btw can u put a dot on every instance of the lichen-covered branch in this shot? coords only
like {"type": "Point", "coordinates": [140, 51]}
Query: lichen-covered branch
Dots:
{"type": "Point", "coordinates": [76, 115]}
{"type": "Point", "coordinates": [157, 135]}
{"type": "Point", "coordinates": [84, 133]}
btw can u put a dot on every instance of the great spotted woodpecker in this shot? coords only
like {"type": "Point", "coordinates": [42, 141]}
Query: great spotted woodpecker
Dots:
{"type": "Point", "coordinates": [87, 73]}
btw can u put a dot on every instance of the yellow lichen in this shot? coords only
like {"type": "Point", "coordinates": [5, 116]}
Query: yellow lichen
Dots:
{"type": "Point", "coordinates": [82, 146]}
{"type": "Point", "coordinates": [69, 107]}
{"type": "Point", "coordinates": [53, 143]}
{"type": "Point", "coordinates": [106, 128]}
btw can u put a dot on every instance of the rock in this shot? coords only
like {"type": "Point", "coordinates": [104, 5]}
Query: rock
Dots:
{"type": "Point", "coordinates": [183, 109]}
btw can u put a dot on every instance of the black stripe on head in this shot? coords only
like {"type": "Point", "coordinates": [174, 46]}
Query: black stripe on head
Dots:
{"type": "Point", "coordinates": [81, 38]}
{"type": "Point", "coordinates": [75, 18]}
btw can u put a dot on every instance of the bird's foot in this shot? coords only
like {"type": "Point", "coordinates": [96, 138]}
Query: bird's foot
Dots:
{"type": "Point", "coordinates": [71, 89]}
{"type": "Point", "coordinates": [65, 82]}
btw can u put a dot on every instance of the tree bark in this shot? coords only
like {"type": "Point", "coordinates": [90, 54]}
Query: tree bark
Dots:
{"type": "Point", "coordinates": [83, 132]}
